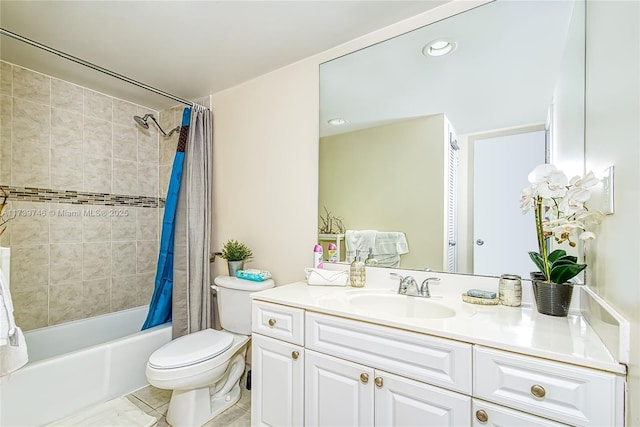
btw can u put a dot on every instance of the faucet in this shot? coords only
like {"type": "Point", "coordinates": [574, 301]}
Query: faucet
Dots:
{"type": "Point", "coordinates": [408, 283]}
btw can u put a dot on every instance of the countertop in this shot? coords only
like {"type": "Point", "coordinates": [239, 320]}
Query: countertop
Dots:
{"type": "Point", "coordinates": [517, 329]}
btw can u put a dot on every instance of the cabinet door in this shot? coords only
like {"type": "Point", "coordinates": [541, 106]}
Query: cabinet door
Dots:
{"type": "Point", "coordinates": [277, 386]}
{"type": "Point", "coordinates": [337, 392]}
{"type": "Point", "coordinates": [400, 401]}
{"type": "Point", "coordinates": [489, 415]}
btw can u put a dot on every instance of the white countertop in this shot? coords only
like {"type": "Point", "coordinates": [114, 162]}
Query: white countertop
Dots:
{"type": "Point", "coordinates": [518, 329]}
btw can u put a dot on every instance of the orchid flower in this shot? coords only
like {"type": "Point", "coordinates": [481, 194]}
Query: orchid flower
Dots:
{"type": "Point", "coordinates": [560, 212]}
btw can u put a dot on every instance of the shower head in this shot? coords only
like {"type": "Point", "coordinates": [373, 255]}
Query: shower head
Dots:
{"type": "Point", "coordinates": [142, 121]}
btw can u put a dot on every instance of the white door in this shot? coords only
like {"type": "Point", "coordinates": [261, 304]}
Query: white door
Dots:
{"type": "Point", "coordinates": [337, 392]}
{"type": "Point", "coordinates": [503, 236]}
{"type": "Point", "coordinates": [277, 383]}
{"type": "Point", "coordinates": [404, 402]}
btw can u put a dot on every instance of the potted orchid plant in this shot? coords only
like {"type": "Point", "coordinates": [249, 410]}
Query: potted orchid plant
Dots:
{"type": "Point", "coordinates": [561, 213]}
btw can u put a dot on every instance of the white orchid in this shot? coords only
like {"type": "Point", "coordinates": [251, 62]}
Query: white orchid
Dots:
{"type": "Point", "coordinates": [561, 212]}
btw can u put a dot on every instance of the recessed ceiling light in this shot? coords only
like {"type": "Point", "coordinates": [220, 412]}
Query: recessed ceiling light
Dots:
{"type": "Point", "coordinates": [439, 47]}
{"type": "Point", "coordinates": [337, 121]}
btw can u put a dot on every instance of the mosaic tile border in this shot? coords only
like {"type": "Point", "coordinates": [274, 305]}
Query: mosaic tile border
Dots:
{"type": "Point", "coordinates": [31, 194]}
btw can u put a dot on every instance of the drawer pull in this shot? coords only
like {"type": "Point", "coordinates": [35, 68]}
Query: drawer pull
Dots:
{"type": "Point", "coordinates": [482, 416]}
{"type": "Point", "coordinates": [538, 391]}
{"type": "Point", "coordinates": [364, 378]}
{"type": "Point", "coordinates": [378, 381]}
{"type": "Point", "coordinates": [295, 355]}
{"type": "Point", "coordinates": [272, 322]}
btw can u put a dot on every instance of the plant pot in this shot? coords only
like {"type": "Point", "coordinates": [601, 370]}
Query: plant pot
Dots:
{"type": "Point", "coordinates": [552, 299]}
{"type": "Point", "coordinates": [234, 266]}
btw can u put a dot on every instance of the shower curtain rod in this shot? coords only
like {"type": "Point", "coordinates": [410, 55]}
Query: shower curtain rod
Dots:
{"type": "Point", "coordinates": [93, 66]}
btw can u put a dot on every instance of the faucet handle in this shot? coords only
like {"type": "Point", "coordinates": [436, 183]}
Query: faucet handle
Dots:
{"type": "Point", "coordinates": [396, 275]}
{"type": "Point", "coordinates": [424, 288]}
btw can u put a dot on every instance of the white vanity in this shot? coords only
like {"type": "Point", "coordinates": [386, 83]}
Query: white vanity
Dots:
{"type": "Point", "coordinates": [339, 356]}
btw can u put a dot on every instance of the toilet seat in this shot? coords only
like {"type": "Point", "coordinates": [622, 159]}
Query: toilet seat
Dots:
{"type": "Point", "coordinates": [191, 349]}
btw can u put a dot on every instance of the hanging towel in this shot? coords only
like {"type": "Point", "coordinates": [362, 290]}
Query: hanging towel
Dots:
{"type": "Point", "coordinates": [388, 248]}
{"type": "Point", "coordinates": [13, 347]}
{"type": "Point", "coordinates": [359, 240]}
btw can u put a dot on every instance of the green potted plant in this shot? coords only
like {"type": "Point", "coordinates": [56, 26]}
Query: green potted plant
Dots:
{"type": "Point", "coordinates": [561, 213]}
{"type": "Point", "coordinates": [236, 253]}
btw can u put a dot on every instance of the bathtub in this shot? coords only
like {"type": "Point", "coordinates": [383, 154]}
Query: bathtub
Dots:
{"type": "Point", "coordinates": [78, 364]}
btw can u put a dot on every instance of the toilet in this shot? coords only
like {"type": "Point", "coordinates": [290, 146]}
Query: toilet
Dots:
{"type": "Point", "coordinates": [204, 368]}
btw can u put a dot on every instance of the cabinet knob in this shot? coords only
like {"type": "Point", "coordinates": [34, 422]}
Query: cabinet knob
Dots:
{"type": "Point", "coordinates": [538, 391]}
{"type": "Point", "coordinates": [272, 322]}
{"type": "Point", "coordinates": [364, 378]}
{"type": "Point", "coordinates": [482, 416]}
{"type": "Point", "coordinates": [295, 355]}
{"type": "Point", "coordinates": [378, 381]}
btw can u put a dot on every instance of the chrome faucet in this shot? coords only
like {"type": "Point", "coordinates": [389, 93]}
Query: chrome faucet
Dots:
{"type": "Point", "coordinates": [408, 286]}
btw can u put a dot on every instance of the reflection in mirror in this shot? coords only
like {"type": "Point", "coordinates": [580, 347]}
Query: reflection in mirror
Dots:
{"type": "Point", "coordinates": [434, 150]}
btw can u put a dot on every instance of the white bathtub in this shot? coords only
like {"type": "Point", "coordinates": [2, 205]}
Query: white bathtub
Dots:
{"type": "Point", "coordinates": [78, 364]}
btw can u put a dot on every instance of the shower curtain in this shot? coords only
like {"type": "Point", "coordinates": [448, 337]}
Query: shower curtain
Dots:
{"type": "Point", "coordinates": [160, 308]}
{"type": "Point", "coordinates": [191, 284]}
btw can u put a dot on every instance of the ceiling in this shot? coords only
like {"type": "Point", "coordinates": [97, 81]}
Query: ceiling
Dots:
{"type": "Point", "coordinates": [186, 48]}
{"type": "Point", "coordinates": [501, 75]}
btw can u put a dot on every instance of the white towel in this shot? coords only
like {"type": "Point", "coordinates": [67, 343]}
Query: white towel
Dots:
{"type": "Point", "coordinates": [392, 242]}
{"type": "Point", "coordinates": [13, 347]}
{"type": "Point", "coordinates": [359, 240]}
{"type": "Point", "coordinates": [318, 276]}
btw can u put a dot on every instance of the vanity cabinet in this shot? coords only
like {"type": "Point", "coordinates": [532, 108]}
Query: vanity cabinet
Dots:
{"type": "Point", "coordinates": [315, 369]}
{"type": "Point", "coordinates": [342, 393]}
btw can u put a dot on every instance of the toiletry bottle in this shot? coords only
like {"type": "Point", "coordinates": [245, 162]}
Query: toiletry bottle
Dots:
{"type": "Point", "coordinates": [370, 261]}
{"type": "Point", "coordinates": [357, 272]}
{"type": "Point", "coordinates": [317, 257]}
{"type": "Point", "coordinates": [333, 252]}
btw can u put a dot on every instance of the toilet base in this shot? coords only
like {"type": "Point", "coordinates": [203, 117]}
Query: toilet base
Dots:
{"type": "Point", "coordinates": [193, 408]}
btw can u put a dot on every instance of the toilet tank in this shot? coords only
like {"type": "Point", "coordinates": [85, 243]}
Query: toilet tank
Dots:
{"type": "Point", "coordinates": [234, 302]}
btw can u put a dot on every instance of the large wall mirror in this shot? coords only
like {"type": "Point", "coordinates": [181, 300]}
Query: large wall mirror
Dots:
{"type": "Point", "coordinates": [424, 152]}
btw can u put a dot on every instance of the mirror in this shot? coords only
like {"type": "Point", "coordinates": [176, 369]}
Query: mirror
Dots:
{"type": "Point", "coordinates": [409, 157]}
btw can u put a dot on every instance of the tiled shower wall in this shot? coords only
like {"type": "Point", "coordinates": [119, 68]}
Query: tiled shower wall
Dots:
{"type": "Point", "coordinates": [86, 197]}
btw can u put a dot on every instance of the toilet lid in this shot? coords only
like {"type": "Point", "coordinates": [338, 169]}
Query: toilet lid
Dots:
{"type": "Point", "coordinates": [191, 349]}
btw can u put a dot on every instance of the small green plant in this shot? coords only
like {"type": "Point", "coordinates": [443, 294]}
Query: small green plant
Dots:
{"type": "Point", "coordinates": [235, 251]}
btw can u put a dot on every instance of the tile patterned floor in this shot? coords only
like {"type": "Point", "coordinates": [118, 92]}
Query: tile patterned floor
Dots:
{"type": "Point", "coordinates": [155, 401]}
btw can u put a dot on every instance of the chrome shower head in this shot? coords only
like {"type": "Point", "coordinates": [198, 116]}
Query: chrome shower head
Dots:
{"type": "Point", "coordinates": [142, 121]}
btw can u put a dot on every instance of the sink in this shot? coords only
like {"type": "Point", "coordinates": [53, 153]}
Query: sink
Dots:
{"type": "Point", "coordinates": [399, 306]}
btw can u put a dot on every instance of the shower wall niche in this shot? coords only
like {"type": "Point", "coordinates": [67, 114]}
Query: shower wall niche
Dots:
{"type": "Point", "coordinates": [87, 188]}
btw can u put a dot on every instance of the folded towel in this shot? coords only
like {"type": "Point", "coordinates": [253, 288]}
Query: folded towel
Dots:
{"type": "Point", "coordinates": [13, 347]}
{"type": "Point", "coordinates": [318, 276]}
{"type": "Point", "coordinates": [391, 242]}
{"type": "Point", "coordinates": [253, 274]}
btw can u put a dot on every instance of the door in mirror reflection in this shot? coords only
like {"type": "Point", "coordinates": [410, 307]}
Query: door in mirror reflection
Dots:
{"type": "Point", "coordinates": [503, 236]}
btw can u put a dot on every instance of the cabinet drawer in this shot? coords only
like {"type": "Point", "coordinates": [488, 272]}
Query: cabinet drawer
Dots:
{"type": "Point", "coordinates": [278, 321]}
{"type": "Point", "coordinates": [563, 392]}
{"type": "Point", "coordinates": [485, 414]}
{"type": "Point", "coordinates": [422, 357]}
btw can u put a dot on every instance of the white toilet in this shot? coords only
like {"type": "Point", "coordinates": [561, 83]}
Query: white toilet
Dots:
{"type": "Point", "coordinates": [204, 368]}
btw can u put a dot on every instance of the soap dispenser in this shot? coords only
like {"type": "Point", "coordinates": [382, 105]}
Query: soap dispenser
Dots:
{"type": "Point", "coordinates": [357, 272]}
{"type": "Point", "coordinates": [370, 261]}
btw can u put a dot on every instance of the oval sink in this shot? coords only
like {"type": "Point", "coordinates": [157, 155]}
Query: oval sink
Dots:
{"type": "Point", "coordinates": [395, 305]}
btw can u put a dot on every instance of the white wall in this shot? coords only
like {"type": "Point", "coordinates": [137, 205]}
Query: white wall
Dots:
{"type": "Point", "coordinates": [613, 138]}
